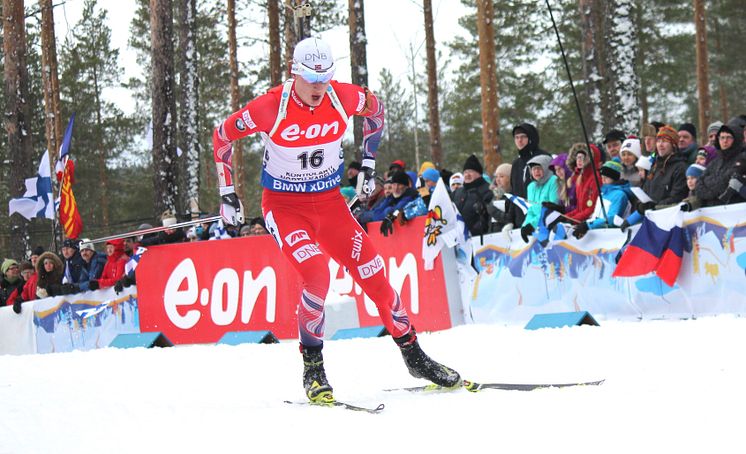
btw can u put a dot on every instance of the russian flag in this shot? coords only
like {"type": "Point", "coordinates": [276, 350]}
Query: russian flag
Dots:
{"type": "Point", "coordinates": [657, 247]}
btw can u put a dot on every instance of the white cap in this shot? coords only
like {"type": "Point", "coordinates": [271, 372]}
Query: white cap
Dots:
{"type": "Point", "coordinates": [457, 178]}
{"type": "Point", "coordinates": [314, 54]}
{"type": "Point", "coordinates": [644, 163]}
{"type": "Point", "coordinates": [633, 146]}
{"type": "Point", "coordinates": [85, 243]}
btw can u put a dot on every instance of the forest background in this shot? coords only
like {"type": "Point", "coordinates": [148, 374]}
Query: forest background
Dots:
{"type": "Point", "coordinates": [633, 61]}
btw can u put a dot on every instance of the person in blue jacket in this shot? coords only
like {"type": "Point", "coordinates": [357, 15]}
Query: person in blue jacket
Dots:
{"type": "Point", "coordinates": [389, 207]}
{"type": "Point", "coordinates": [614, 197]}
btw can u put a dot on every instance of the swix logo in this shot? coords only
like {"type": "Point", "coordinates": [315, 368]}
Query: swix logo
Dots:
{"type": "Point", "coordinates": [369, 269]}
{"type": "Point", "coordinates": [293, 132]}
{"type": "Point", "coordinates": [357, 245]}
{"type": "Point", "coordinates": [295, 237]}
{"type": "Point", "coordinates": [360, 102]}
{"type": "Point", "coordinates": [305, 252]}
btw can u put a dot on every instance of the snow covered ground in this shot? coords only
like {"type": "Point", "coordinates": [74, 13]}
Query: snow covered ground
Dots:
{"type": "Point", "coordinates": [670, 387]}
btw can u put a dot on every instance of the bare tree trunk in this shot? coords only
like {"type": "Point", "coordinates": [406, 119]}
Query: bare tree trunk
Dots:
{"type": "Point", "coordinates": [436, 152]}
{"type": "Point", "coordinates": [291, 33]}
{"type": "Point", "coordinates": [16, 115]}
{"type": "Point", "coordinates": [723, 99]}
{"type": "Point", "coordinates": [275, 48]}
{"type": "Point", "coordinates": [102, 154]}
{"type": "Point", "coordinates": [53, 122]}
{"type": "Point", "coordinates": [188, 102]}
{"type": "Point", "coordinates": [592, 53]}
{"type": "Point", "coordinates": [238, 170]}
{"type": "Point", "coordinates": [703, 69]}
{"type": "Point", "coordinates": [491, 152]}
{"type": "Point", "coordinates": [165, 169]}
{"type": "Point", "coordinates": [622, 41]}
{"type": "Point", "coordinates": [358, 62]}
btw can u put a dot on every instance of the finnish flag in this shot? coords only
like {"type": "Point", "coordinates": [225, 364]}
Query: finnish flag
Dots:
{"type": "Point", "coordinates": [36, 201]}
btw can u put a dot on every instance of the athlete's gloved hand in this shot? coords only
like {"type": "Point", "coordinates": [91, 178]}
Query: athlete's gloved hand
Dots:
{"type": "Point", "coordinates": [580, 230]}
{"type": "Point", "coordinates": [366, 179]}
{"type": "Point", "coordinates": [526, 231]}
{"type": "Point", "coordinates": [231, 208]}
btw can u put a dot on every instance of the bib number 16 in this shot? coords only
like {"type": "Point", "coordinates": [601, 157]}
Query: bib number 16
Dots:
{"type": "Point", "coordinates": [315, 159]}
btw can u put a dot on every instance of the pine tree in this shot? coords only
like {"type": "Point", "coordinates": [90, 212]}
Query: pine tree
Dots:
{"type": "Point", "coordinates": [398, 138]}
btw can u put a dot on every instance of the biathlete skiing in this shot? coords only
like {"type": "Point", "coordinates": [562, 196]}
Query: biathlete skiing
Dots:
{"type": "Point", "coordinates": [302, 123]}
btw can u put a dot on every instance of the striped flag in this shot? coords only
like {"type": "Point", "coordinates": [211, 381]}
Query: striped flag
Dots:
{"type": "Point", "coordinates": [70, 219]}
{"type": "Point", "coordinates": [518, 201]}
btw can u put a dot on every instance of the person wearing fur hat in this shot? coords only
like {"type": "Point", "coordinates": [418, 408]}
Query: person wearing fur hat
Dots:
{"type": "Point", "coordinates": [583, 180]}
{"type": "Point", "coordinates": [114, 267]}
{"type": "Point", "coordinates": [542, 189]}
{"type": "Point", "coordinates": [614, 199]}
{"type": "Point", "coordinates": [50, 271]}
{"type": "Point", "coordinates": [665, 184]}
{"type": "Point", "coordinates": [715, 179]}
{"type": "Point", "coordinates": [631, 151]}
{"type": "Point", "coordinates": [11, 285]}
{"type": "Point", "coordinates": [474, 199]}
{"type": "Point", "coordinates": [526, 139]}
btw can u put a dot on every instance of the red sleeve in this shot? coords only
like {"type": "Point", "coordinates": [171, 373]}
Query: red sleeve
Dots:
{"type": "Point", "coordinates": [117, 273]}
{"type": "Point", "coordinates": [29, 289]}
{"type": "Point", "coordinates": [361, 101]}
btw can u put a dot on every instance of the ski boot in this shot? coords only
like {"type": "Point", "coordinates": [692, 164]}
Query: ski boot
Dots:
{"type": "Point", "coordinates": [422, 366]}
{"type": "Point", "coordinates": [315, 383]}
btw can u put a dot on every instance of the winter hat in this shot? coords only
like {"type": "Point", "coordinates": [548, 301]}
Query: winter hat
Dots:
{"type": "Point", "coordinates": [714, 127]}
{"type": "Point", "coordinates": [695, 170]}
{"type": "Point", "coordinates": [27, 266]}
{"type": "Point", "coordinates": [644, 163]}
{"type": "Point", "coordinates": [398, 164]}
{"type": "Point", "coordinates": [7, 263]}
{"type": "Point", "coordinates": [613, 135]}
{"type": "Point", "coordinates": [71, 243]}
{"type": "Point", "coordinates": [348, 192]}
{"type": "Point", "coordinates": [245, 230]}
{"type": "Point", "coordinates": [504, 169]}
{"type": "Point", "coordinates": [85, 243]}
{"type": "Point", "coordinates": [400, 177]}
{"type": "Point", "coordinates": [668, 134]}
{"type": "Point", "coordinates": [648, 130]}
{"type": "Point", "coordinates": [355, 165]}
{"type": "Point", "coordinates": [559, 161]}
{"type": "Point", "coordinates": [708, 151]}
{"type": "Point", "coordinates": [472, 163]}
{"type": "Point", "coordinates": [611, 169]}
{"type": "Point", "coordinates": [633, 146]}
{"type": "Point", "coordinates": [425, 165]}
{"type": "Point", "coordinates": [38, 250]}
{"type": "Point", "coordinates": [168, 218]}
{"type": "Point", "coordinates": [690, 128]}
{"type": "Point", "coordinates": [431, 174]}
{"type": "Point", "coordinates": [456, 178]}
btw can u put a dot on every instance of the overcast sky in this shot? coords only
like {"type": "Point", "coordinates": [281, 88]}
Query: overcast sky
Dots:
{"type": "Point", "coordinates": [392, 26]}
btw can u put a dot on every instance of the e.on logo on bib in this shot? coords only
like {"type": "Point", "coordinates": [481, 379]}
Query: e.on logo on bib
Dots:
{"type": "Point", "coordinates": [294, 132]}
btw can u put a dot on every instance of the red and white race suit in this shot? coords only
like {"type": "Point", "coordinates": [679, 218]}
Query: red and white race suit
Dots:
{"type": "Point", "coordinates": [303, 208]}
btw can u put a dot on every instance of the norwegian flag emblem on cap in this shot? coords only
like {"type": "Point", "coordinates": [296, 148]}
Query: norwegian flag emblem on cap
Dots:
{"type": "Point", "coordinates": [317, 67]}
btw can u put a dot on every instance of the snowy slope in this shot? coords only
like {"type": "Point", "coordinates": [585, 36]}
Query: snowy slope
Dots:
{"type": "Point", "coordinates": [670, 387]}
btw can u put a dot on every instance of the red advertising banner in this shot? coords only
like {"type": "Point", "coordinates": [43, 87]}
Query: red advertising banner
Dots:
{"type": "Point", "coordinates": [196, 292]}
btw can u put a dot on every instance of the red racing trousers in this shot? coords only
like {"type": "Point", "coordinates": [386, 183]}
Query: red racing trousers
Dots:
{"type": "Point", "coordinates": [310, 228]}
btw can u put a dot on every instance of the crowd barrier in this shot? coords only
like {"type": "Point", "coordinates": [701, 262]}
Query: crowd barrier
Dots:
{"type": "Point", "coordinates": [197, 292]}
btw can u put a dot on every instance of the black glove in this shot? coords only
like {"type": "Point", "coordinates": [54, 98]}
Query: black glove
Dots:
{"type": "Point", "coordinates": [17, 305]}
{"type": "Point", "coordinates": [686, 207]}
{"type": "Point", "coordinates": [643, 207]}
{"type": "Point", "coordinates": [129, 280]}
{"type": "Point", "coordinates": [580, 230]}
{"type": "Point", "coordinates": [366, 182]}
{"type": "Point", "coordinates": [480, 208]}
{"type": "Point", "coordinates": [231, 208]}
{"type": "Point", "coordinates": [553, 206]}
{"type": "Point", "coordinates": [69, 289]}
{"type": "Point", "coordinates": [119, 286]}
{"type": "Point", "coordinates": [526, 231]}
{"type": "Point", "coordinates": [93, 285]}
{"type": "Point", "coordinates": [624, 226]}
{"type": "Point", "coordinates": [387, 225]}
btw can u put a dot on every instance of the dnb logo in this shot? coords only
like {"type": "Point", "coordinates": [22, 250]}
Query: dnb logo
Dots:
{"type": "Point", "coordinates": [296, 237]}
{"type": "Point", "coordinates": [369, 269]}
{"type": "Point", "coordinates": [305, 252]}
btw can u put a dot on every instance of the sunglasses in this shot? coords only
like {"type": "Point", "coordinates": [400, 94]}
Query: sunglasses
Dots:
{"type": "Point", "coordinates": [312, 76]}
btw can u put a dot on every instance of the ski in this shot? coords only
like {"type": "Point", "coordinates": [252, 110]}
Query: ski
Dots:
{"type": "Point", "coordinates": [475, 387]}
{"type": "Point", "coordinates": [339, 404]}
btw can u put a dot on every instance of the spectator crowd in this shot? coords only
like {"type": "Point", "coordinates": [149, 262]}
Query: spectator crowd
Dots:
{"type": "Point", "coordinates": [610, 184]}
